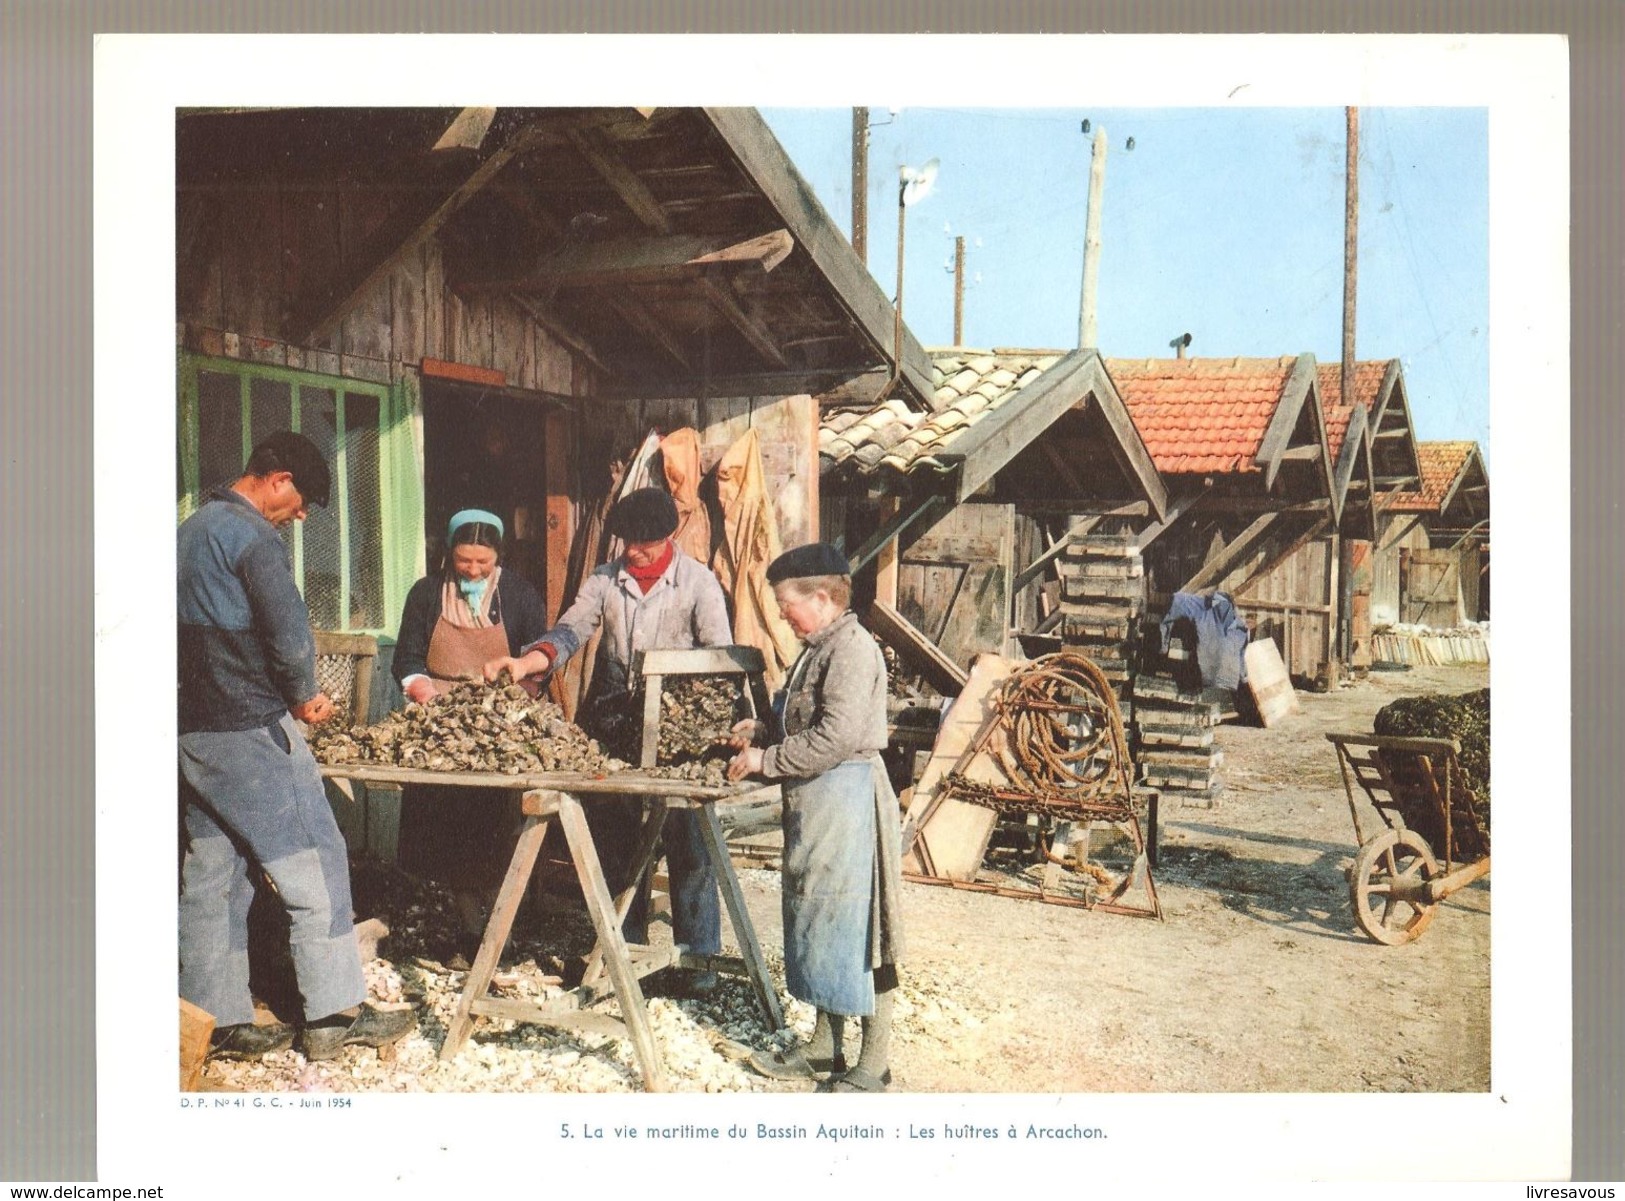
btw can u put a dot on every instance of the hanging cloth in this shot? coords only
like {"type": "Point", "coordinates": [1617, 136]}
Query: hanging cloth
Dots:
{"type": "Point", "coordinates": [680, 456]}
{"type": "Point", "coordinates": [750, 541]}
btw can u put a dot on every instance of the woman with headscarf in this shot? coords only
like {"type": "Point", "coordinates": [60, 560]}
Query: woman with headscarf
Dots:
{"type": "Point", "coordinates": [842, 858]}
{"type": "Point", "coordinates": [454, 622]}
{"type": "Point", "coordinates": [651, 597]}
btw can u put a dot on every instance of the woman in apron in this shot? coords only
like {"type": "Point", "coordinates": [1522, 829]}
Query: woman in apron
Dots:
{"type": "Point", "coordinates": [454, 622]}
{"type": "Point", "coordinates": [842, 858]}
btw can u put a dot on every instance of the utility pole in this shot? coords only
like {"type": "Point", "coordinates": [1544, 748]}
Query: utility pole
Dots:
{"type": "Point", "coordinates": [1354, 594]}
{"type": "Point", "coordinates": [860, 184]}
{"type": "Point", "coordinates": [1351, 224]}
{"type": "Point", "coordinates": [1091, 240]}
{"type": "Point", "coordinates": [959, 291]}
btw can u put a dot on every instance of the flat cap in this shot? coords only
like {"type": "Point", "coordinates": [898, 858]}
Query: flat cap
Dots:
{"type": "Point", "coordinates": [815, 558]}
{"type": "Point", "coordinates": [645, 515]}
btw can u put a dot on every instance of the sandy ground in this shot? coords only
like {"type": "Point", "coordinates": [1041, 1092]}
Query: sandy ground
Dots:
{"type": "Point", "coordinates": [1257, 979]}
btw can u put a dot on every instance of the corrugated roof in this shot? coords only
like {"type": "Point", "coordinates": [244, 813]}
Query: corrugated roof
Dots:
{"type": "Point", "coordinates": [1441, 463]}
{"type": "Point", "coordinates": [1202, 415]}
{"type": "Point", "coordinates": [969, 385]}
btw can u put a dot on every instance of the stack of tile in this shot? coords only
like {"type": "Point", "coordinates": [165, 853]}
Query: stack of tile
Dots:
{"type": "Point", "coordinates": [1102, 596]}
{"type": "Point", "coordinates": [1175, 731]}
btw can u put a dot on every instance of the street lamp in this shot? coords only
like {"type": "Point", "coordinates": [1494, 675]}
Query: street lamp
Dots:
{"type": "Point", "coordinates": [914, 184]}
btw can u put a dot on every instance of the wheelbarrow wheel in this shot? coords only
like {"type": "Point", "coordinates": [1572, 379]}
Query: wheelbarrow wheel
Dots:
{"type": "Point", "coordinates": [1386, 887]}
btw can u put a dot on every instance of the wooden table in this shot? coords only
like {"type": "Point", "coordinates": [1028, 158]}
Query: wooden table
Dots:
{"type": "Point", "coordinates": [543, 796]}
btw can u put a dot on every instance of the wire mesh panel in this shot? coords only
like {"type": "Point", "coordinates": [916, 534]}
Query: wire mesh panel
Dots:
{"type": "Point", "coordinates": [323, 557]}
{"type": "Point", "coordinates": [344, 672]}
{"type": "Point", "coordinates": [335, 675]}
{"type": "Point", "coordinates": [363, 504]}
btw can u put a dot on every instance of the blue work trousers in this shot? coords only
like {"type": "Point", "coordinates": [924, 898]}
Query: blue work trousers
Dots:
{"type": "Point", "coordinates": [256, 797]}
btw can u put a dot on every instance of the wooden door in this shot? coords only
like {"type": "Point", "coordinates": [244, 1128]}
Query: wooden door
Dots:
{"type": "Point", "coordinates": [1430, 588]}
{"type": "Point", "coordinates": [953, 583]}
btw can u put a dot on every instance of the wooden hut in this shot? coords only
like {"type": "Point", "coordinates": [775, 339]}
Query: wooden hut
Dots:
{"type": "Point", "coordinates": [965, 508]}
{"type": "Point", "coordinates": [1241, 446]}
{"type": "Point", "coordinates": [1433, 548]}
{"type": "Point", "coordinates": [491, 307]}
{"type": "Point", "coordinates": [1373, 452]}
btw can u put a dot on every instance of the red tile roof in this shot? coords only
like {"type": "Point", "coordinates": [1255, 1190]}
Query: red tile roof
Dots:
{"type": "Point", "coordinates": [1202, 415]}
{"type": "Point", "coordinates": [1368, 379]}
{"type": "Point", "coordinates": [1441, 464]}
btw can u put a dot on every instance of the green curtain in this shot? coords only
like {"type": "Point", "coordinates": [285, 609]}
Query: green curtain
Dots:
{"type": "Point", "coordinates": [401, 464]}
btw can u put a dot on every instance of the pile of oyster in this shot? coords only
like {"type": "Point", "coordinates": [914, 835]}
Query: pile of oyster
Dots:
{"type": "Point", "coordinates": [697, 713]}
{"type": "Point", "coordinates": [475, 728]}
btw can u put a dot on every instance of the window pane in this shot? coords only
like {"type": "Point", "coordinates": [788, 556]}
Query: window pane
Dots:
{"type": "Point", "coordinates": [318, 421]}
{"type": "Point", "coordinates": [365, 506]}
{"type": "Point", "coordinates": [272, 408]}
{"type": "Point", "coordinates": [219, 429]}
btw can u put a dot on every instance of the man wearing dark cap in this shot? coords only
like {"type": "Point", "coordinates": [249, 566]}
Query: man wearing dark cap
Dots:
{"type": "Point", "coordinates": [653, 597]}
{"type": "Point", "coordinates": [250, 790]}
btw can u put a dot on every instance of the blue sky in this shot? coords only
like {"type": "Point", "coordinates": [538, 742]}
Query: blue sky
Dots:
{"type": "Point", "coordinates": [1224, 223]}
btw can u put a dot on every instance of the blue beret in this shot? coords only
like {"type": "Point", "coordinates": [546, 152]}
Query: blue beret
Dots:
{"type": "Point", "coordinates": [816, 558]}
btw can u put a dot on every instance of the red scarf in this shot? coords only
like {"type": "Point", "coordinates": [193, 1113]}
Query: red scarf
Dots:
{"type": "Point", "coordinates": [646, 576]}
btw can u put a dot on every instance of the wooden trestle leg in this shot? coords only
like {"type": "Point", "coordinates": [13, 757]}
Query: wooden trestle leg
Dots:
{"type": "Point", "coordinates": [538, 807]}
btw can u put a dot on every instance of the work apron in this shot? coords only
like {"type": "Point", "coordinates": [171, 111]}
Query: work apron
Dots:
{"type": "Point", "coordinates": [460, 837]}
{"type": "Point", "coordinates": [838, 917]}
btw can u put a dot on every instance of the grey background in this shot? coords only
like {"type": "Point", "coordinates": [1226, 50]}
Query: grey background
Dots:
{"type": "Point", "coordinates": [47, 997]}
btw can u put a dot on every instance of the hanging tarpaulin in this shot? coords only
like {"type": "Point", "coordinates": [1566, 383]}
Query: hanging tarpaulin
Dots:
{"type": "Point", "coordinates": [750, 541]}
{"type": "Point", "coordinates": [680, 454]}
{"type": "Point", "coordinates": [640, 473]}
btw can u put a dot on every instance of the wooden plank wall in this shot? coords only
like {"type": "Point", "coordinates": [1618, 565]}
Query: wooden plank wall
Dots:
{"type": "Point", "coordinates": [953, 582]}
{"type": "Point", "coordinates": [256, 249]}
{"type": "Point", "coordinates": [1395, 532]}
{"type": "Point", "coordinates": [1290, 605]}
{"type": "Point", "coordinates": [252, 251]}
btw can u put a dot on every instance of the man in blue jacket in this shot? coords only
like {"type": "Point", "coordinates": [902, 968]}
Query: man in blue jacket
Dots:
{"type": "Point", "coordinates": [250, 789]}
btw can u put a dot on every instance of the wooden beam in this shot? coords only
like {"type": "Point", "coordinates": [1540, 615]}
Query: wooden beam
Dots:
{"type": "Point", "coordinates": [1300, 454]}
{"type": "Point", "coordinates": [1128, 447]}
{"type": "Point", "coordinates": [723, 300]}
{"type": "Point", "coordinates": [468, 130]}
{"type": "Point", "coordinates": [1398, 432]}
{"type": "Point", "coordinates": [928, 512]}
{"type": "Point", "coordinates": [598, 148]}
{"type": "Point", "coordinates": [764, 162]}
{"type": "Point", "coordinates": [556, 329]}
{"type": "Point", "coordinates": [1401, 533]}
{"type": "Point", "coordinates": [1177, 507]}
{"type": "Point", "coordinates": [633, 312]}
{"type": "Point", "coordinates": [1274, 561]}
{"type": "Point", "coordinates": [1068, 473]}
{"type": "Point", "coordinates": [1036, 568]}
{"type": "Point", "coordinates": [1300, 384]}
{"type": "Point", "coordinates": [761, 383]}
{"type": "Point", "coordinates": [941, 672]}
{"type": "Point", "coordinates": [1214, 569]}
{"type": "Point", "coordinates": [1266, 504]}
{"type": "Point", "coordinates": [1001, 435]}
{"type": "Point", "coordinates": [637, 261]}
{"type": "Point", "coordinates": [1084, 508]}
{"type": "Point", "coordinates": [316, 314]}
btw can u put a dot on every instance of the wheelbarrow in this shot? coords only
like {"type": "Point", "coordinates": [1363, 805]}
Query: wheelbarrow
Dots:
{"type": "Point", "coordinates": [1417, 788]}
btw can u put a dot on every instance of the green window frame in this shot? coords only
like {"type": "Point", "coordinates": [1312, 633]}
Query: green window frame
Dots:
{"type": "Point", "coordinates": [355, 562]}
